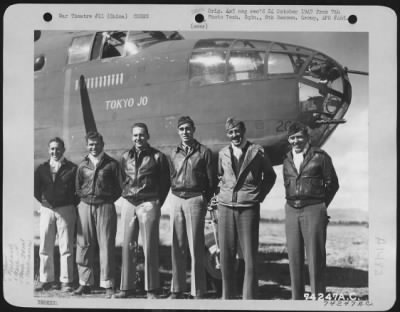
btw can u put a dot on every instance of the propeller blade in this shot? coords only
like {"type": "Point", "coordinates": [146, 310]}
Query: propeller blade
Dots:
{"type": "Point", "coordinates": [88, 118]}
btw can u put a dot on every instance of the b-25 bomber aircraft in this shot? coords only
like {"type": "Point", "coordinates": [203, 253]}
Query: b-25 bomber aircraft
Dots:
{"type": "Point", "coordinates": [107, 80]}
{"type": "Point", "coordinates": [111, 79]}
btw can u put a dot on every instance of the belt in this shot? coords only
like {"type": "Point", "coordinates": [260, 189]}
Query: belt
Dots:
{"type": "Point", "coordinates": [300, 203]}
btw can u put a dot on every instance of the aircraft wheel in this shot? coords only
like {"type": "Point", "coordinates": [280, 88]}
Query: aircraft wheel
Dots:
{"type": "Point", "coordinates": [214, 277]}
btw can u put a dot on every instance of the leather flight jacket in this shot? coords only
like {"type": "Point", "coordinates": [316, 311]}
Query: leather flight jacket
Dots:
{"type": "Point", "coordinates": [251, 184]}
{"type": "Point", "coordinates": [316, 182]}
{"type": "Point", "coordinates": [98, 184]}
{"type": "Point", "coordinates": [192, 174]}
{"type": "Point", "coordinates": [145, 175]}
{"type": "Point", "coordinates": [61, 191]}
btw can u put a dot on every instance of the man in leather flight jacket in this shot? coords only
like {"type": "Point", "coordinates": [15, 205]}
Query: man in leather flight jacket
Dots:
{"type": "Point", "coordinates": [55, 190]}
{"type": "Point", "coordinates": [145, 179]}
{"type": "Point", "coordinates": [310, 183]}
{"type": "Point", "coordinates": [98, 185]}
{"type": "Point", "coordinates": [192, 185]}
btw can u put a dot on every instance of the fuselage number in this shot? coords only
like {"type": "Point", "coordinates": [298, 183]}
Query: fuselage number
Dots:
{"type": "Point", "coordinates": [126, 103]}
{"type": "Point", "coordinates": [283, 125]}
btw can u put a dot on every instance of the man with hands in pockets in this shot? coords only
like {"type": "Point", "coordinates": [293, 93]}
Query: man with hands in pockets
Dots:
{"type": "Point", "coordinates": [310, 184]}
{"type": "Point", "coordinates": [246, 178]}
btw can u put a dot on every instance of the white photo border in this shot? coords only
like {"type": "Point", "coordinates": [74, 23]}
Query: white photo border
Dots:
{"type": "Point", "coordinates": [19, 22]}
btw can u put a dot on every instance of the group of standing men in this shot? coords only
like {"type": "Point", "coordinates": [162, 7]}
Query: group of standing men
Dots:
{"type": "Point", "coordinates": [185, 182]}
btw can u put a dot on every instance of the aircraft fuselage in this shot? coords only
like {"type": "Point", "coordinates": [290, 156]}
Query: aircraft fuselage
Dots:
{"type": "Point", "coordinates": [172, 78]}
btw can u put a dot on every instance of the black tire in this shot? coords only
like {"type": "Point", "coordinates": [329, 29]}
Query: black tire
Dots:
{"type": "Point", "coordinates": [213, 274]}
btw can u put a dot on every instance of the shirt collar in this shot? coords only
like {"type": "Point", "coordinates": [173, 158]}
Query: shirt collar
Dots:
{"type": "Point", "coordinates": [96, 159]}
{"type": "Point", "coordinates": [303, 152]}
{"type": "Point", "coordinates": [134, 150]}
{"type": "Point", "coordinates": [53, 162]}
{"type": "Point", "coordinates": [182, 146]}
{"type": "Point", "coordinates": [241, 146]}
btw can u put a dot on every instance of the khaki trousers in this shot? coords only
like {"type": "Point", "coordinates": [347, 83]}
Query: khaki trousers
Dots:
{"type": "Point", "coordinates": [187, 224]}
{"type": "Point", "coordinates": [59, 221]}
{"type": "Point", "coordinates": [96, 228]}
{"type": "Point", "coordinates": [143, 218]}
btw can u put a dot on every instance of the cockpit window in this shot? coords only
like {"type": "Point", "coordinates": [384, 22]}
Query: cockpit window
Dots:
{"type": "Point", "coordinates": [139, 40]}
{"type": "Point", "coordinates": [213, 43]}
{"type": "Point", "coordinates": [39, 62]}
{"type": "Point", "coordinates": [123, 43]}
{"type": "Point", "coordinates": [80, 49]}
{"type": "Point", "coordinates": [280, 63]}
{"type": "Point", "coordinates": [211, 63]}
{"type": "Point", "coordinates": [108, 44]}
{"type": "Point", "coordinates": [114, 42]}
{"type": "Point", "coordinates": [207, 67]}
{"type": "Point", "coordinates": [251, 44]}
{"type": "Point", "coordinates": [246, 65]}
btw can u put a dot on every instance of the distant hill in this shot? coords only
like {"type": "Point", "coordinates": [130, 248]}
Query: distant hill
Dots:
{"type": "Point", "coordinates": [337, 215]}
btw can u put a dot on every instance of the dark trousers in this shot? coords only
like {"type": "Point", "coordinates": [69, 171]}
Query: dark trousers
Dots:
{"type": "Point", "coordinates": [96, 226]}
{"type": "Point", "coordinates": [239, 224]}
{"type": "Point", "coordinates": [306, 227]}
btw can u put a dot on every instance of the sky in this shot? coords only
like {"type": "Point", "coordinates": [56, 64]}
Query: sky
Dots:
{"type": "Point", "coordinates": [348, 145]}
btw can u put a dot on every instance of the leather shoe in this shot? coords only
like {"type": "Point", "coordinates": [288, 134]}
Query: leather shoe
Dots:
{"type": "Point", "coordinates": [82, 289]}
{"type": "Point", "coordinates": [121, 294]}
{"type": "Point", "coordinates": [42, 286]}
{"type": "Point", "coordinates": [66, 287]}
{"type": "Point", "coordinates": [109, 293]}
{"type": "Point", "coordinates": [152, 295]}
{"type": "Point", "coordinates": [124, 294]}
{"type": "Point", "coordinates": [176, 295]}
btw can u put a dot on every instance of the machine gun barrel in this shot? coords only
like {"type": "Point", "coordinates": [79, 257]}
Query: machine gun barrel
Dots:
{"type": "Point", "coordinates": [333, 121]}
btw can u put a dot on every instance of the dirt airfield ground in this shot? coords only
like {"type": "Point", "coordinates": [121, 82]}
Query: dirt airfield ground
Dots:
{"type": "Point", "coordinates": [347, 262]}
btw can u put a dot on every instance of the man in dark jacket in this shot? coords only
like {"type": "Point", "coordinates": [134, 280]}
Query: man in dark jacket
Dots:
{"type": "Point", "coordinates": [98, 186]}
{"type": "Point", "coordinates": [311, 183]}
{"type": "Point", "coordinates": [55, 190]}
{"type": "Point", "coordinates": [192, 186]}
{"type": "Point", "coordinates": [246, 178]}
{"type": "Point", "coordinates": [145, 177]}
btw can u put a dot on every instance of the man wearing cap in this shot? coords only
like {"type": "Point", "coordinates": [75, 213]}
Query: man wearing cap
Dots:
{"type": "Point", "coordinates": [310, 183]}
{"type": "Point", "coordinates": [98, 186]}
{"type": "Point", "coordinates": [146, 181]}
{"type": "Point", "coordinates": [55, 190]}
{"type": "Point", "coordinates": [192, 186]}
{"type": "Point", "coordinates": [246, 178]}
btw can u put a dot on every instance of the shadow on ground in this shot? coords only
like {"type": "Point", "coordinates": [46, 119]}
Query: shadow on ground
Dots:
{"type": "Point", "coordinates": [270, 269]}
{"type": "Point", "coordinates": [273, 272]}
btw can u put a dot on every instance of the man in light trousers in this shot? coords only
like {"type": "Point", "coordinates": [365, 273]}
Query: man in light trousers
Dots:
{"type": "Point", "coordinates": [145, 179]}
{"type": "Point", "coordinates": [192, 186]}
{"type": "Point", "coordinates": [98, 185]}
{"type": "Point", "coordinates": [55, 190]}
